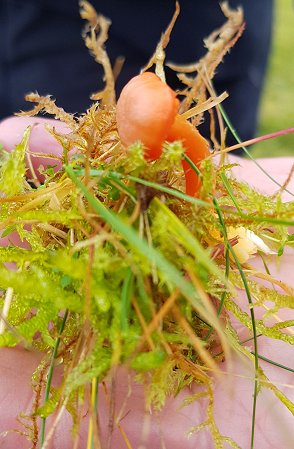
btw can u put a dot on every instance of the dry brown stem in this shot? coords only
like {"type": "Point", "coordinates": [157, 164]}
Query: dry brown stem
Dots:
{"type": "Point", "coordinates": [46, 104]}
{"type": "Point", "coordinates": [158, 57]}
{"type": "Point", "coordinates": [95, 36]}
{"type": "Point", "coordinates": [218, 44]}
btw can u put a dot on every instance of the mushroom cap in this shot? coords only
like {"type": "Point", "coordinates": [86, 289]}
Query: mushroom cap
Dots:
{"type": "Point", "coordinates": [146, 110]}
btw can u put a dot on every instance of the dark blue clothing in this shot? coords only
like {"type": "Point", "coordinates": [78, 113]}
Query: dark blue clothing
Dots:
{"type": "Point", "coordinates": [42, 50]}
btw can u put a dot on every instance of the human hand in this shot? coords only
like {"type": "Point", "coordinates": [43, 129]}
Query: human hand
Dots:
{"type": "Point", "coordinates": [233, 390]}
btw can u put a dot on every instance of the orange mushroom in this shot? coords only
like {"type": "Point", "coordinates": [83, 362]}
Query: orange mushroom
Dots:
{"type": "Point", "coordinates": [147, 112]}
{"type": "Point", "coordinates": [196, 148]}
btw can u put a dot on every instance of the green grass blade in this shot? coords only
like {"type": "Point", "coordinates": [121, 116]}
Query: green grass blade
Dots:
{"type": "Point", "coordinates": [224, 293]}
{"type": "Point", "coordinates": [230, 192]}
{"type": "Point", "coordinates": [248, 294]}
{"type": "Point", "coordinates": [50, 375]}
{"type": "Point", "coordinates": [115, 176]}
{"type": "Point", "coordinates": [287, 368]}
{"type": "Point", "coordinates": [192, 165]}
{"type": "Point", "coordinates": [126, 298]}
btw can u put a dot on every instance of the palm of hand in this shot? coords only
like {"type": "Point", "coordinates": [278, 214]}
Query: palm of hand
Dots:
{"type": "Point", "coordinates": [169, 428]}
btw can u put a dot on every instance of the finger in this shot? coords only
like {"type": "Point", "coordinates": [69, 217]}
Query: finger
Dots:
{"type": "Point", "coordinates": [40, 141]}
{"type": "Point", "coordinates": [17, 398]}
{"type": "Point", "coordinates": [16, 369]}
{"type": "Point", "coordinates": [278, 169]}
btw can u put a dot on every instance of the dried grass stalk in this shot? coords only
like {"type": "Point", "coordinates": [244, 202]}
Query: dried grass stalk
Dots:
{"type": "Point", "coordinates": [95, 36]}
{"type": "Point", "coordinates": [44, 103]}
{"type": "Point", "coordinates": [218, 44]}
{"type": "Point", "coordinates": [158, 57]}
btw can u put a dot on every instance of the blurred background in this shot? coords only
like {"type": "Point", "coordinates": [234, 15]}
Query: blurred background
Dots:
{"type": "Point", "coordinates": [41, 44]}
{"type": "Point", "coordinates": [277, 107]}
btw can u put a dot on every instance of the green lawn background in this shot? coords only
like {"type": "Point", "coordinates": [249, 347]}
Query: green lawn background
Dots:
{"type": "Point", "coordinates": [277, 106]}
